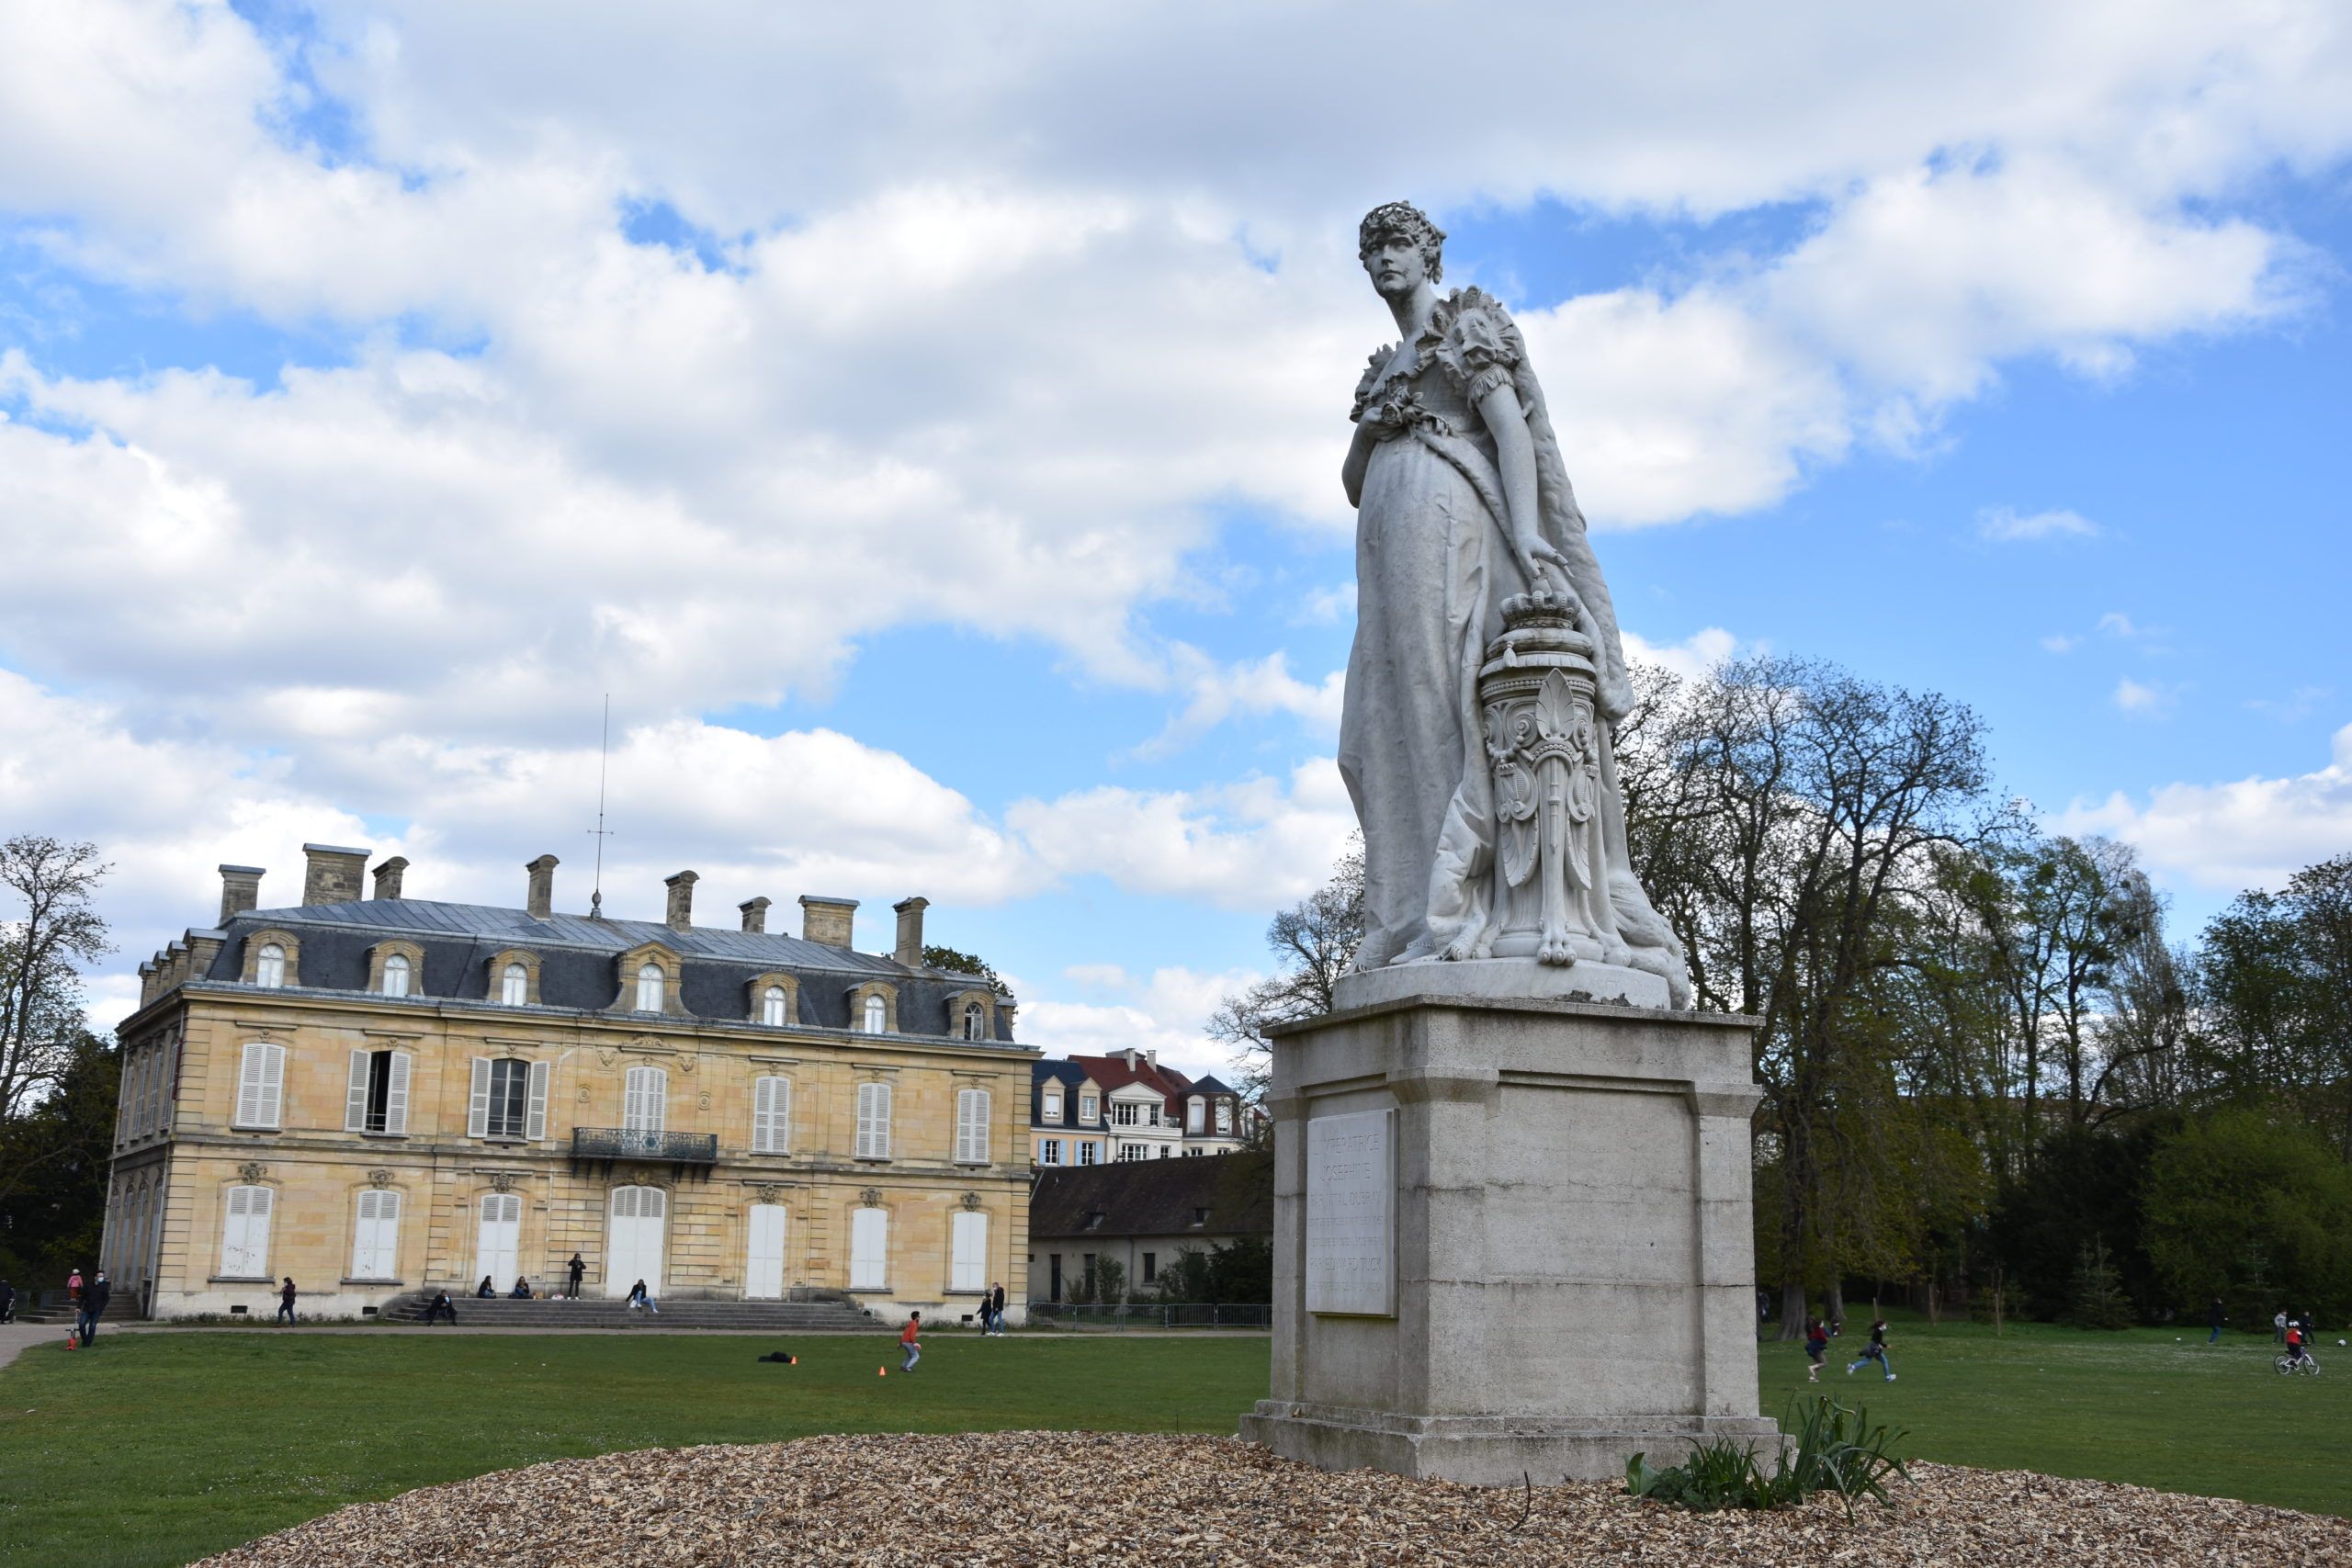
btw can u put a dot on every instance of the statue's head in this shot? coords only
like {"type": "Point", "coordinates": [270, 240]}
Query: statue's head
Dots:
{"type": "Point", "coordinates": [1395, 227]}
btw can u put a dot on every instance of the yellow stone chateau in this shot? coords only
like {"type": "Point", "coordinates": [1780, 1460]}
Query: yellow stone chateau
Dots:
{"type": "Point", "coordinates": [379, 1095]}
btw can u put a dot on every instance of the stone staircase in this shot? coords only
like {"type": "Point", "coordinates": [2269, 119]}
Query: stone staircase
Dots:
{"type": "Point", "coordinates": [834, 1314]}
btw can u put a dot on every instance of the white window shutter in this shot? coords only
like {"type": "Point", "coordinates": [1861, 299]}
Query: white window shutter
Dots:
{"type": "Point", "coordinates": [874, 1121]}
{"type": "Point", "coordinates": [261, 1086]}
{"type": "Point", "coordinates": [770, 1115]}
{"type": "Point", "coordinates": [396, 1100]}
{"type": "Point", "coordinates": [355, 1102]}
{"type": "Point", "coordinates": [972, 1126]}
{"type": "Point", "coordinates": [477, 1112]}
{"type": "Point", "coordinates": [968, 1261]}
{"type": "Point", "coordinates": [535, 1125]}
{"type": "Point", "coordinates": [249, 1086]}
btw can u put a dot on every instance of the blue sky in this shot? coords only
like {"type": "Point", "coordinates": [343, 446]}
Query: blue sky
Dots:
{"type": "Point", "coordinates": [928, 435]}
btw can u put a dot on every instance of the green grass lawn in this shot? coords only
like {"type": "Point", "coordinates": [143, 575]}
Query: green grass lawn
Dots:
{"type": "Point", "coordinates": [157, 1448]}
{"type": "Point", "coordinates": [2137, 1406]}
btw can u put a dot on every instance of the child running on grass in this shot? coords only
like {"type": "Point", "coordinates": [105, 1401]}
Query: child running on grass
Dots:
{"type": "Point", "coordinates": [1816, 1346]}
{"type": "Point", "coordinates": [1874, 1352]}
{"type": "Point", "coordinates": [908, 1338]}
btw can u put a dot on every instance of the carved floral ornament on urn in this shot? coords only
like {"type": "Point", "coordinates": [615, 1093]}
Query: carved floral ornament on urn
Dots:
{"type": "Point", "coordinates": [1486, 675]}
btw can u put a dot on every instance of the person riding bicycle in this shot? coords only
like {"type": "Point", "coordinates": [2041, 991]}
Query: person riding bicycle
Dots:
{"type": "Point", "coordinates": [2295, 1351]}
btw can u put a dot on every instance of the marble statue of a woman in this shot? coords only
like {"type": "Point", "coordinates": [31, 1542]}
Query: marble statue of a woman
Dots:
{"type": "Point", "coordinates": [1488, 671]}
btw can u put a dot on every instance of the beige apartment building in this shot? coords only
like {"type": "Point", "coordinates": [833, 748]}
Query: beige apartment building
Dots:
{"type": "Point", "coordinates": [382, 1095]}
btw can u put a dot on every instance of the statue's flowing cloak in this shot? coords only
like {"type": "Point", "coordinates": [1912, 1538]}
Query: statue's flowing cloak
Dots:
{"type": "Point", "coordinates": [1473, 342]}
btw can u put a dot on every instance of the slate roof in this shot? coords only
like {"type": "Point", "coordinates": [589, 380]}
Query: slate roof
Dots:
{"type": "Point", "coordinates": [576, 960]}
{"type": "Point", "coordinates": [1157, 1197]}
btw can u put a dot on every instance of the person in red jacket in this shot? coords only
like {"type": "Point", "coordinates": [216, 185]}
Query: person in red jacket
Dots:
{"type": "Point", "coordinates": [908, 1337]}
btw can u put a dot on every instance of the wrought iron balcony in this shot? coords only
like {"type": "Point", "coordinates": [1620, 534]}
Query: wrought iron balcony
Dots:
{"type": "Point", "coordinates": [678, 1150]}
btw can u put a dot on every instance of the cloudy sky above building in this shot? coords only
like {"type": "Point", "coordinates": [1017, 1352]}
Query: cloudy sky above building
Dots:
{"type": "Point", "coordinates": [928, 432]}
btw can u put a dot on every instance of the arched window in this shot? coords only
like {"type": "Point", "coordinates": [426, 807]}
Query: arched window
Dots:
{"type": "Point", "coordinates": [975, 1021]}
{"type": "Point", "coordinates": [649, 988]}
{"type": "Point", "coordinates": [396, 975]}
{"type": "Point", "coordinates": [772, 1008]}
{"type": "Point", "coordinates": [515, 986]}
{"type": "Point", "coordinates": [269, 969]}
{"type": "Point", "coordinates": [878, 1016]}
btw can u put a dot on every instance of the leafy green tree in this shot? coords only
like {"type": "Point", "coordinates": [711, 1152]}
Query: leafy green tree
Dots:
{"type": "Point", "coordinates": [965, 964]}
{"type": "Point", "coordinates": [2095, 1298]}
{"type": "Point", "coordinates": [1242, 1271]}
{"type": "Point", "coordinates": [1185, 1277]}
{"type": "Point", "coordinates": [53, 1216]}
{"type": "Point", "coordinates": [2244, 1183]}
{"type": "Point", "coordinates": [2084, 1185]}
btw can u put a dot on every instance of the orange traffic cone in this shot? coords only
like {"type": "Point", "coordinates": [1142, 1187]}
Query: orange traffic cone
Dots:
{"type": "Point", "coordinates": [792, 1361]}
{"type": "Point", "coordinates": [881, 1372]}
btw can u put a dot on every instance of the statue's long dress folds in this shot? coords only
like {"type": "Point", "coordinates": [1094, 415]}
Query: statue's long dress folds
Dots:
{"type": "Point", "coordinates": [1434, 567]}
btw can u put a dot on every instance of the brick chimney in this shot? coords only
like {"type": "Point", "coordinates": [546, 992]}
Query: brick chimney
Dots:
{"type": "Point", "coordinates": [825, 921]}
{"type": "Point", "coordinates": [681, 915]}
{"type": "Point", "coordinates": [332, 873]}
{"type": "Point", "coordinates": [755, 914]}
{"type": "Point", "coordinates": [388, 877]}
{"type": "Point", "coordinates": [910, 948]}
{"type": "Point", "coordinates": [240, 890]}
{"type": "Point", "coordinates": [542, 899]}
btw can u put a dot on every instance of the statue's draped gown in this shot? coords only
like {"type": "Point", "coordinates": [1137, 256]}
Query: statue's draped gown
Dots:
{"type": "Point", "coordinates": [1432, 568]}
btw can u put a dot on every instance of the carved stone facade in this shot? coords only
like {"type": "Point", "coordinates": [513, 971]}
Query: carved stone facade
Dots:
{"type": "Point", "coordinates": [371, 1144]}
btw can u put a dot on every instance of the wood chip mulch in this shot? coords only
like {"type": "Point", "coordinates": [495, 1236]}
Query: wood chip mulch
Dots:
{"type": "Point", "coordinates": [1062, 1497]}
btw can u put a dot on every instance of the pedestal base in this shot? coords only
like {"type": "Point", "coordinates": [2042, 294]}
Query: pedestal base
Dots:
{"type": "Point", "coordinates": [1511, 1236]}
{"type": "Point", "coordinates": [1487, 1451]}
{"type": "Point", "coordinates": [1502, 979]}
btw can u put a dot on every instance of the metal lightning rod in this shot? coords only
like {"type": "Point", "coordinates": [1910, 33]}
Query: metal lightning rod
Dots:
{"type": "Point", "coordinates": [604, 752]}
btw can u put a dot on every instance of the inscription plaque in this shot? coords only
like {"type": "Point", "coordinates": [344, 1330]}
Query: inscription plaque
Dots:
{"type": "Point", "coordinates": [1351, 1215]}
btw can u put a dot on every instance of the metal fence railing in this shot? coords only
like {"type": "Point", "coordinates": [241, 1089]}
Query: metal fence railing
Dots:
{"type": "Point", "coordinates": [1152, 1315]}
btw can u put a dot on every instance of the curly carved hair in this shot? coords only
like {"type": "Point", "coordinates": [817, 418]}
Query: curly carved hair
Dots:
{"type": "Point", "coordinates": [1403, 220]}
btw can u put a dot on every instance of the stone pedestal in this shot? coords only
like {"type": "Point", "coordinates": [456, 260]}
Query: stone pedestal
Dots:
{"type": "Point", "coordinates": [1511, 1236]}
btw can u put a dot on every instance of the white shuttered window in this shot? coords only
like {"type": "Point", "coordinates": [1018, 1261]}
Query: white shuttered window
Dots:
{"type": "Point", "coordinates": [536, 1121]}
{"type": "Point", "coordinates": [771, 1116]}
{"type": "Point", "coordinates": [878, 1016]}
{"type": "Point", "coordinates": [245, 1238]}
{"type": "Point", "coordinates": [874, 1121]}
{"type": "Point", "coordinates": [374, 1238]}
{"type": "Point", "coordinates": [971, 1126]}
{"type": "Point", "coordinates": [261, 1086]}
{"type": "Point", "coordinates": [646, 1100]}
{"type": "Point", "coordinates": [515, 986]}
{"type": "Point", "coordinates": [869, 1249]}
{"type": "Point", "coordinates": [968, 1267]}
{"type": "Point", "coordinates": [771, 1007]}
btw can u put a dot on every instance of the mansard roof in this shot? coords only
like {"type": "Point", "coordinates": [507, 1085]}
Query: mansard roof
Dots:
{"type": "Point", "coordinates": [1157, 1197]}
{"type": "Point", "coordinates": [576, 960]}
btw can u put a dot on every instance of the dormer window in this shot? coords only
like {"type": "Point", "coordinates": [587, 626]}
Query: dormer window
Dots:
{"type": "Point", "coordinates": [270, 968]}
{"type": "Point", "coordinates": [878, 1016]}
{"type": "Point", "coordinates": [1053, 1107]}
{"type": "Point", "coordinates": [1225, 1116]}
{"type": "Point", "coordinates": [396, 975]}
{"type": "Point", "coordinates": [649, 981]}
{"type": "Point", "coordinates": [1089, 1109]}
{"type": "Point", "coordinates": [975, 1021]}
{"type": "Point", "coordinates": [771, 1007]}
{"type": "Point", "coordinates": [515, 986]}
{"type": "Point", "coordinates": [1195, 1117]}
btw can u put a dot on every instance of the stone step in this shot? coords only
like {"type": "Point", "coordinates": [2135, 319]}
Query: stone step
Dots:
{"type": "Point", "coordinates": [506, 1313]}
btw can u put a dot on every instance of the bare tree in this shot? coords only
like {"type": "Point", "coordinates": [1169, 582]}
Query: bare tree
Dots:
{"type": "Point", "coordinates": [42, 945]}
{"type": "Point", "coordinates": [1314, 942]}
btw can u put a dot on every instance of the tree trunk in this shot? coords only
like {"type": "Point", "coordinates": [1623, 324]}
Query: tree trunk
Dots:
{"type": "Point", "coordinates": [1832, 1302]}
{"type": "Point", "coordinates": [1792, 1310]}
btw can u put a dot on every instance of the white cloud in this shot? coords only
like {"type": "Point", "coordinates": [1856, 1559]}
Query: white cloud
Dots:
{"type": "Point", "coordinates": [2060, 642]}
{"type": "Point", "coordinates": [2143, 701]}
{"type": "Point", "coordinates": [1254, 845]}
{"type": "Point", "coordinates": [1690, 658]}
{"type": "Point", "coordinates": [2006, 525]}
{"type": "Point", "coordinates": [2115, 623]}
{"type": "Point", "coordinates": [1253, 687]}
{"type": "Point", "coordinates": [2254, 832]}
{"type": "Point", "coordinates": [1168, 1013]}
